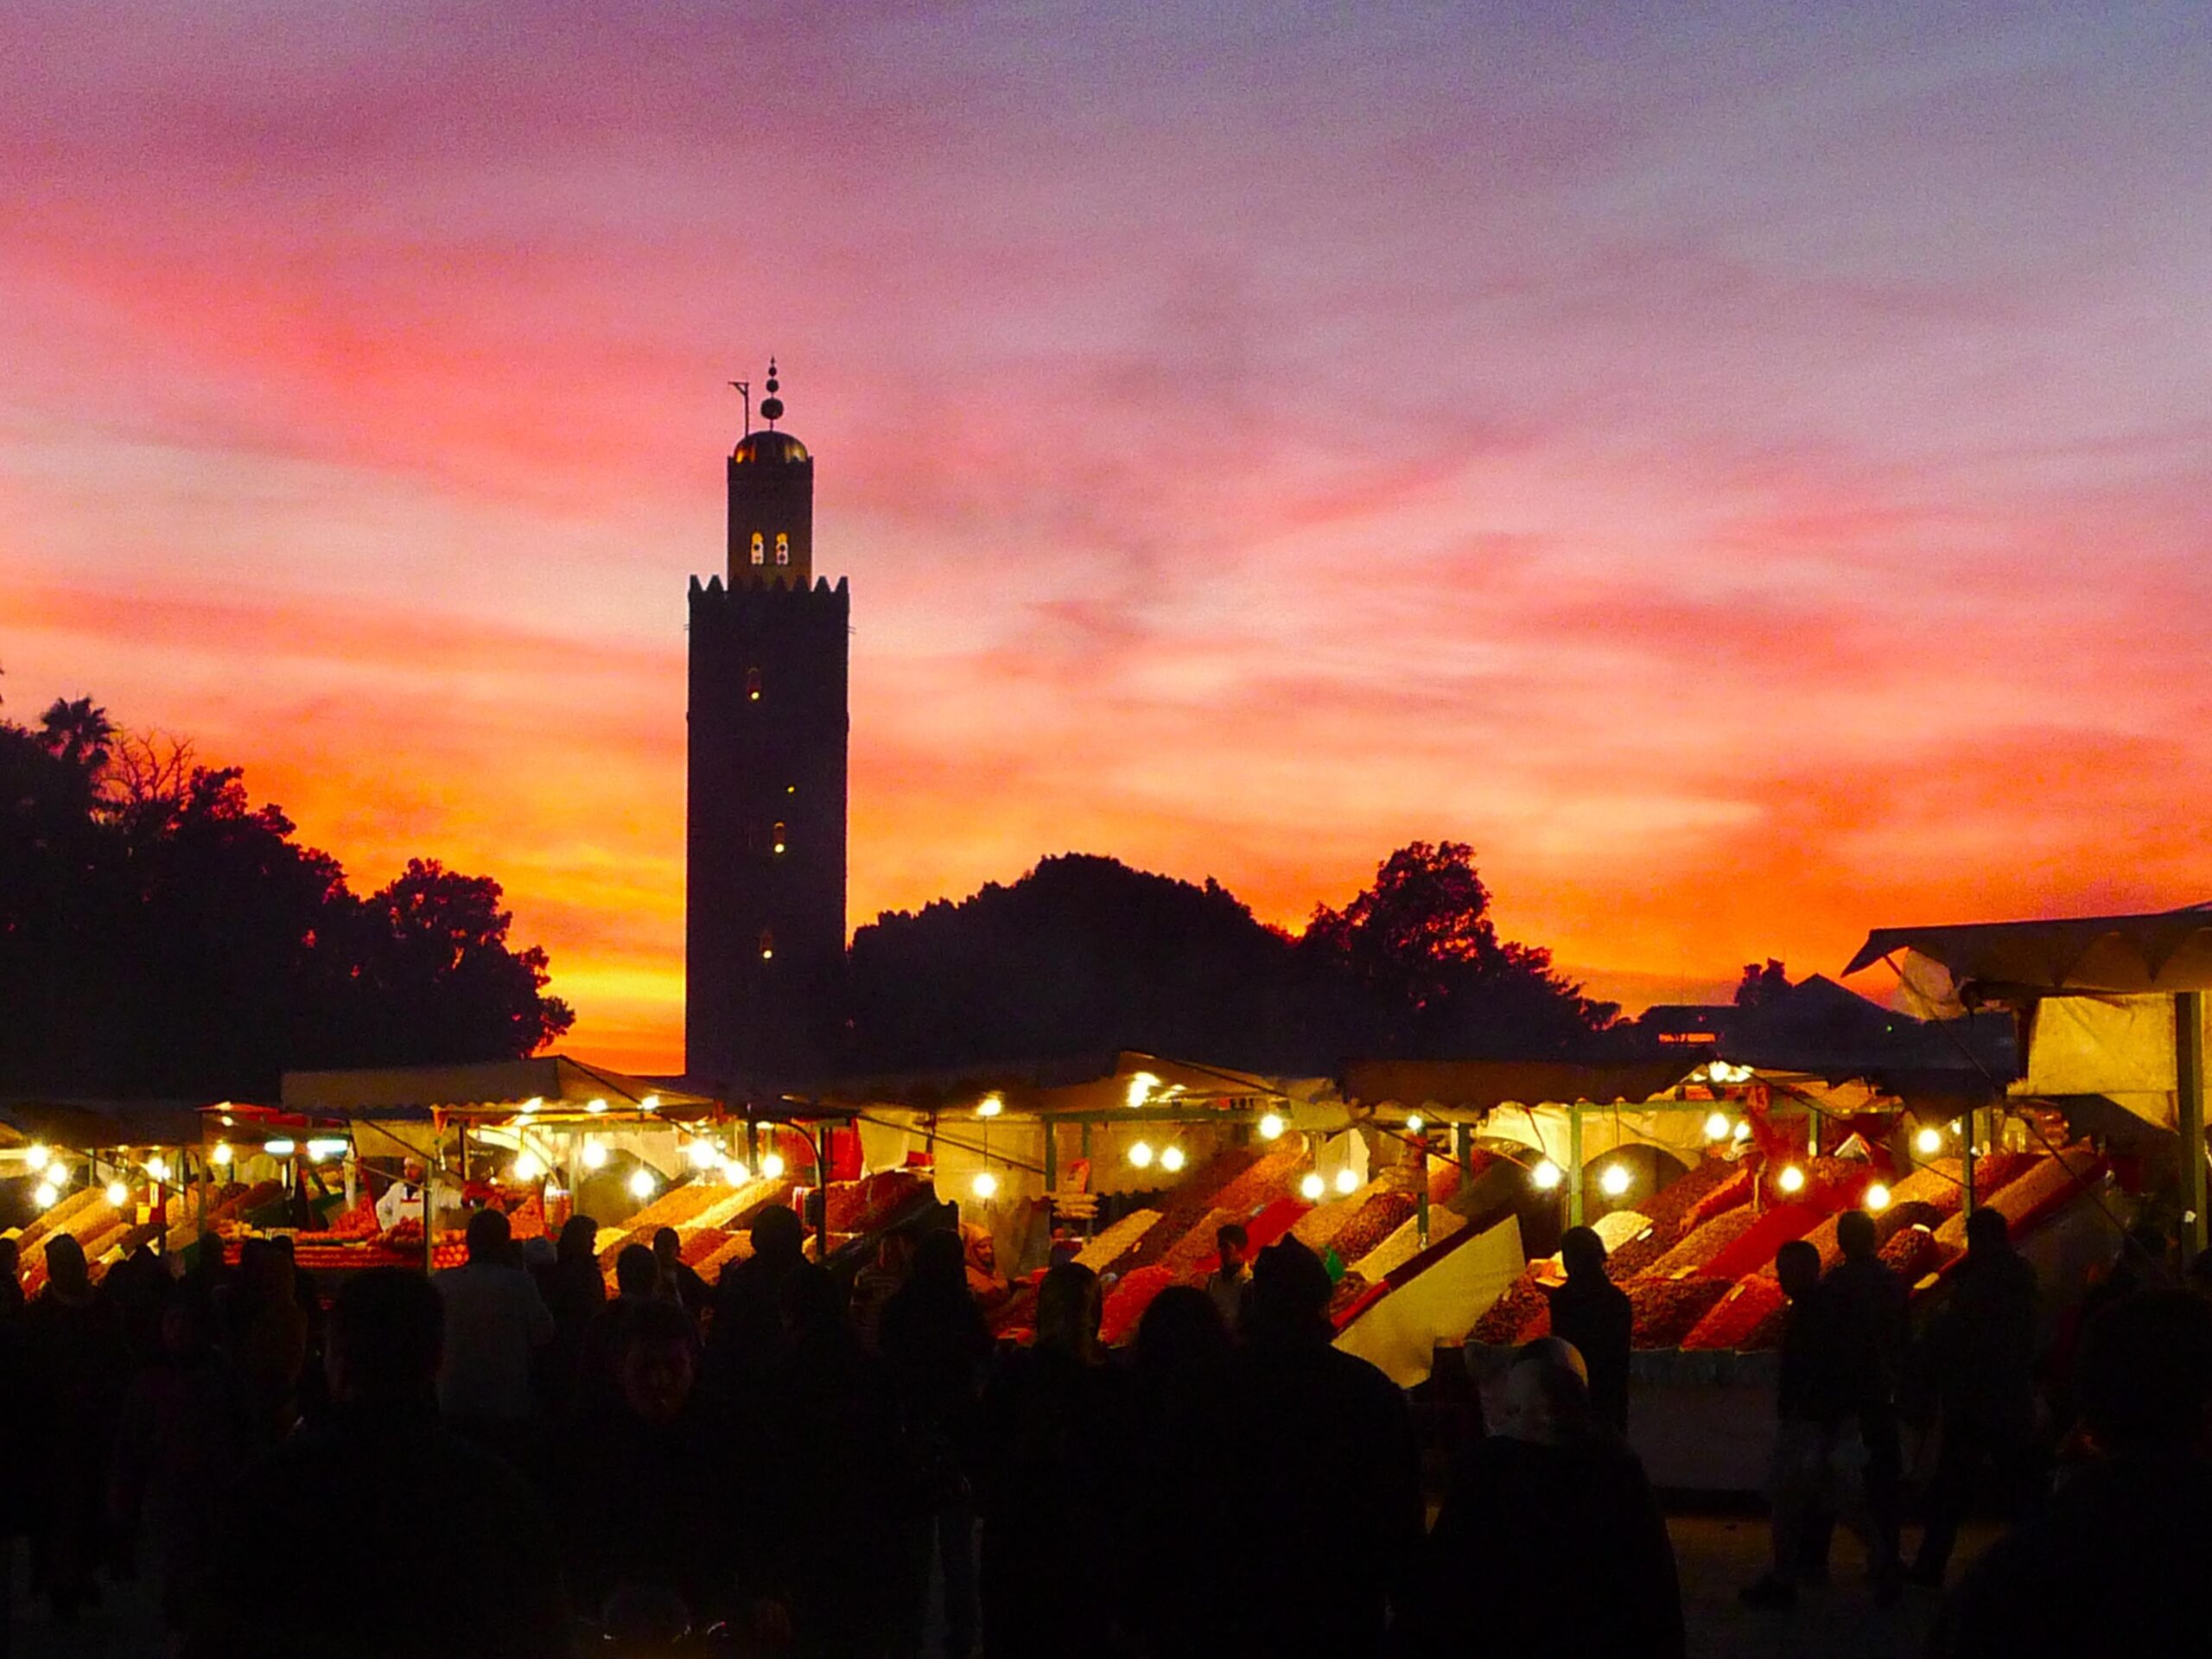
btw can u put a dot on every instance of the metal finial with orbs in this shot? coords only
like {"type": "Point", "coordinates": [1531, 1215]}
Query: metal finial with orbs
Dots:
{"type": "Point", "coordinates": [772, 407]}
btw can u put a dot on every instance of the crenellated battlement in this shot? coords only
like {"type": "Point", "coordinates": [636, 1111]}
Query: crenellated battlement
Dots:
{"type": "Point", "coordinates": [783, 595]}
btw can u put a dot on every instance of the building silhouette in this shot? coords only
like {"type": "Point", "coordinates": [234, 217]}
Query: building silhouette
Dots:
{"type": "Point", "coordinates": [765, 850]}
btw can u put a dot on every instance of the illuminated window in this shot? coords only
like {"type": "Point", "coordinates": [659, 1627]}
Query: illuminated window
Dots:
{"type": "Point", "coordinates": [767, 945]}
{"type": "Point", "coordinates": [783, 548]}
{"type": "Point", "coordinates": [753, 685]}
{"type": "Point", "coordinates": [759, 552]}
{"type": "Point", "coordinates": [777, 841]}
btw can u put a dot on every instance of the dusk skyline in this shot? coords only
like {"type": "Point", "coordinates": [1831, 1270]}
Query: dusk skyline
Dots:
{"type": "Point", "coordinates": [1745, 474]}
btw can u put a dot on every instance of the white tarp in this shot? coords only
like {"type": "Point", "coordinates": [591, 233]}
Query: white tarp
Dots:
{"type": "Point", "coordinates": [1398, 1333]}
{"type": "Point", "coordinates": [2119, 1047]}
{"type": "Point", "coordinates": [1544, 1128]}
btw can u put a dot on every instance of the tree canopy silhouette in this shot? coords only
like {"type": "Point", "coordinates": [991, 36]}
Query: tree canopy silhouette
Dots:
{"type": "Point", "coordinates": [162, 935]}
{"type": "Point", "coordinates": [1084, 954]}
{"type": "Point", "coordinates": [1762, 985]}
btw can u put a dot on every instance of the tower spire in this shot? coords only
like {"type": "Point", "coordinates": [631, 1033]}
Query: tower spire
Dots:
{"type": "Point", "coordinates": [772, 407]}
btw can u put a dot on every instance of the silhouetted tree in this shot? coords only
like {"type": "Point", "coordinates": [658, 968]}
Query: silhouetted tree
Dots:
{"type": "Point", "coordinates": [1760, 985]}
{"type": "Point", "coordinates": [160, 934]}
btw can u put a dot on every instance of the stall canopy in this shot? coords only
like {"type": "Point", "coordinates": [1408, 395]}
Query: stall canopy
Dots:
{"type": "Point", "coordinates": [1474, 1089]}
{"type": "Point", "coordinates": [92, 1125]}
{"type": "Point", "coordinates": [557, 1082]}
{"type": "Point", "coordinates": [2159, 953]}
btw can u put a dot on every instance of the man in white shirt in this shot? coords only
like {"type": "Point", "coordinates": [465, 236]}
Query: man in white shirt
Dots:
{"type": "Point", "coordinates": [494, 1319]}
{"type": "Point", "coordinates": [403, 1199]}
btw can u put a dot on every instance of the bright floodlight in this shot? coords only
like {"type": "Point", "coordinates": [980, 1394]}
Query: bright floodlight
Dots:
{"type": "Point", "coordinates": [48, 1195]}
{"type": "Point", "coordinates": [222, 1154]}
{"type": "Point", "coordinates": [1171, 1158]}
{"type": "Point", "coordinates": [1347, 1179]}
{"type": "Point", "coordinates": [157, 1167]}
{"type": "Point", "coordinates": [772, 1166]}
{"type": "Point", "coordinates": [1614, 1181]}
{"type": "Point", "coordinates": [1546, 1175]}
{"type": "Point", "coordinates": [1928, 1141]}
{"type": "Point", "coordinates": [1141, 1154]}
{"type": "Point", "coordinates": [642, 1183]}
{"type": "Point", "coordinates": [1271, 1126]}
{"type": "Point", "coordinates": [704, 1155]}
{"type": "Point", "coordinates": [1877, 1198]}
{"type": "Point", "coordinates": [984, 1184]}
{"type": "Point", "coordinates": [990, 1106]}
{"type": "Point", "coordinates": [279, 1148]}
{"type": "Point", "coordinates": [528, 1167]}
{"type": "Point", "coordinates": [1313, 1186]}
{"type": "Point", "coordinates": [1716, 1127]}
{"type": "Point", "coordinates": [595, 1155]}
{"type": "Point", "coordinates": [118, 1194]}
{"type": "Point", "coordinates": [38, 1158]}
{"type": "Point", "coordinates": [1792, 1178]}
{"type": "Point", "coordinates": [1413, 1123]}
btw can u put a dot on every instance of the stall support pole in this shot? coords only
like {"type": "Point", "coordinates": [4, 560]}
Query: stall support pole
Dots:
{"type": "Point", "coordinates": [1051, 1158]}
{"type": "Point", "coordinates": [822, 1194]}
{"type": "Point", "coordinates": [1574, 1164]}
{"type": "Point", "coordinates": [2189, 1114]}
{"type": "Point", "coordinates": [1966, 1165]}
{"type": "Point", "coordinates": [1463, 1135]}
{"type": "Point", "coordinates": [1421, 1194]}
{"type": "Point", "coordinates": [1086, 1152]}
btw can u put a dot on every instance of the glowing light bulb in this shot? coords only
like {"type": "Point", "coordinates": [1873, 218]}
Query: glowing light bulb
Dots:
{"type": "Point", "coordinates": [1171, 1160]}
{"type": "Point", "coordinates": [596, 1107]}
{"type": "Point", "coordinates": [1413, 1123]}
{"type": "Point", "coordinates": [319, 1150]}
{"type": "Point", "coordinates": [1141, 1154]}
{"type": "Point", "coordinates": [1313, 1186]}
{"type": "Point", "coordinates": [1141, 1084]}
{"type": "Point", "coordinates": [704, 1155]}
{"type": "Point", "coordinates": [1546, 1175]}
{"type": "Point", "coordinates": [38, 1158]}
{"type": "Point", "coordinates": [280, 1148]}
{"type": "Point", "coordinates": [1877, 1198]}
{"type": "Point", "coordinates": [1792, 1179]}
{"type": "Point", "coordinates": [595, 1155]}
{"type": "Point", "coordinates": [990, 1106]}
{"type": "Point", "coordinates": [118, 1194]}
{"type": "Point", "coordinates": [735, 1173]}
{"type": "Point", "coordinates": [649, 1103]}
{"type": "Point", "coordinates": [1347, 1179]}
{"type": "Point", "coordinates": [772, 1166]}
{"type": "Point", "coordinates": [1928, 1141]}
{"type": "Point", "coordinates": [984, 1184]}
{"type": "Point", "coordinates": [1271, 1126]}
{"type": "Point", "coordinates": [528, 1167]}
{"type": "Point", "coordinates": [1716, 1127]}
{"type": "Point", "coordinates": [158, 1167]}
{"type": "Point", "coordinates": [48, 1195]}
{"type": "Point", "coordinates": [642, 1183]}
{"type": "Point", "coordinates": [222, 1154]}
{"type": "Point", "coordinates": [1741, 1132]}
{"type": "Point", "coordinates": [1614, 1180]}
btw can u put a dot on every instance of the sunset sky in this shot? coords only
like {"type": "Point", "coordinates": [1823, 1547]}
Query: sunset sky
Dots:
{"type": "Point", "coordinates": [1748, 469]}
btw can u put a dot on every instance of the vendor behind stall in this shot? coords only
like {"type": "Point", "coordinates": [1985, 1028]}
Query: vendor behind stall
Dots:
{"type": "Point", "coordinates": [403, 1199]}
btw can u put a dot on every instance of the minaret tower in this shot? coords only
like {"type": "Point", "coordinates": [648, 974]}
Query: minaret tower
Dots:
{"type": "Point", "coordinates": [765, 904]}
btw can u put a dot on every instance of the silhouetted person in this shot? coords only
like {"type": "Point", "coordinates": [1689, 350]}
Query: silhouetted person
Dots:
{"type": "Point", "coordinates": [2116, 1561]}
{"type": "Point", "coordinates": [573, 1291]}
{"type": "Point", "coordinates": [935, 1345]}
{"type": "Point", "coordinates": [1876, 1300]}
{"type": "Point", "coordinates": [77, 1363]}
{"type": "Point", "coordinates": [12, 1301]}
{"type": "Point", "coordinates": [495, 1321]}
{"type": "Point", "coordinates": [1228, 1282]}
{"type": "Point", "coordinates": [875, 1284]}
{"type": "Point", "coordinates": [1350, 1493]}
{"type": "Point", "coordinates": [1179, 1412]}
{"type": "Point", "coordinates": [455, 1525]}
{"type": "Point", "coordinates": [678, 1278]}
{"type": "Point", "coordinates": [1982, 1349]}
{"type": "Point", "coordinates": [834, 1475]}
{"type": "Point", "coordinates": [1550, 1538]}
{"type": "Point", "coordinates": [746, 1341]}
{"type": "Point", "coordinates": [267, 1337]}
{"type": "Point", "coordinates": [310, 1392]}
{"type": "Point", "coordinates": [637, 1282]}
{"type": "Point", "coordinates": [658, 1478]}
{"type": "Point", "coordinates": [184, 1433]}
{"type": "Point", "coordinates": [1825, 1364]}
{"type": "Point", "coordinates": [207, 1280]}
{"type": "Point", "coordinates": [1592, 1313]}
{"type": "Point", "coordinates": [1050, 1481]}
{"type": "Point", "coordinates": [16, 1497]}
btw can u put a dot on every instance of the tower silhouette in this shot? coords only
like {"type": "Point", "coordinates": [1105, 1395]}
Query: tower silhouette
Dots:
{"type": "Point", "coordinates": [764, 851]}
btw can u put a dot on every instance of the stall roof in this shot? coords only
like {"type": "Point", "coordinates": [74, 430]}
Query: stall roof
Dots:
{"type": "Point", "coordinates": [561, 1083]}
{"type": "Point", "coordinates": [1480, 1086]}
{"type": "Point", "coordinates": [92, 1124]}
{"type": "Point", "coordinates": [2165, 950]}
{"type": "Point", "coordinates": [1069, 1087]}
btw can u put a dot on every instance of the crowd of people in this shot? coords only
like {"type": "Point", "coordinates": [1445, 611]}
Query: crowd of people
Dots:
{"type": "Point", "coordinates": [515, 1461]}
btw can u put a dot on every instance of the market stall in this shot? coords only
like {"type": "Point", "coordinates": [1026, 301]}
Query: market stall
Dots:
{"type": "Point", "coordinates": [113, 1175]}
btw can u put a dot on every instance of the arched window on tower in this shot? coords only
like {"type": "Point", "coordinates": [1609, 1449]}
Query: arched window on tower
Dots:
{"type": "Point", "coordinates": [760, 550]}
{"type": "Point", "coordinates": [776, 840]}
{"type": "Point", "coordinates": [753, 685]}
{"type": "Point", "coordinates": [783, 548]}
{"type": "Point", "coordinates": [767, 945]}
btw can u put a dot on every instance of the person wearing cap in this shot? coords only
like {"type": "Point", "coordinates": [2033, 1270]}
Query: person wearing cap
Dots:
{"type": "Point", "coordinates": [403, 1199]}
